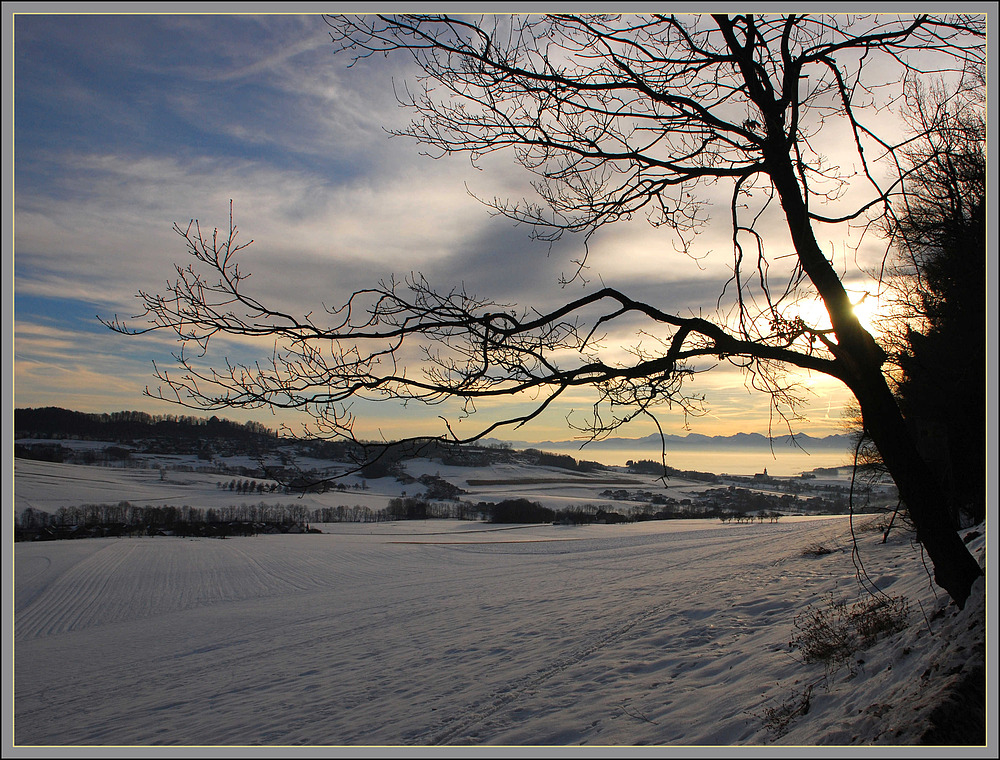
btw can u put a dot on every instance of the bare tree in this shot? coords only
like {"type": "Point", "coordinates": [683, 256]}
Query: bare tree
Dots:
{"type": "Point", "coordinates": [616, 116]}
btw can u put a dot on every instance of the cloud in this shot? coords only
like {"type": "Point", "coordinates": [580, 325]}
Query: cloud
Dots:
{"type": "Point", "coordinates": [269, 64]}
{"type": "Point", "coordinates": [127, 124]}
{"type": "Point", "coordinates": [111, 224]}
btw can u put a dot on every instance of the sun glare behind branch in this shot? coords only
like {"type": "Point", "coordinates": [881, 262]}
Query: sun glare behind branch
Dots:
{"type": "Point", "coordinates": [868, 308]}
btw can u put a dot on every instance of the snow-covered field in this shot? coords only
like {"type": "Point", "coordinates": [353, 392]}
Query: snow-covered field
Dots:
{"type": "Point", "coordinates": [461, 633]}
{"type": "Point", "coordinates": [47, 486]}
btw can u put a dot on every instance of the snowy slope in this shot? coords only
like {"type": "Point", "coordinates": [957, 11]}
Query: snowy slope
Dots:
{"type": "Point", "coordinates": [439, 632]}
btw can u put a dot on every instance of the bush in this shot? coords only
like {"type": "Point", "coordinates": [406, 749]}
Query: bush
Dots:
{"type": "Point", "coordinates": [777, 719]}
{"type": "Point", "coordinates": [407, 508]}
{"type": "Point", "coordinates": [877, 617]}
{"type": "Point", "coordinates": [521, 511]}
{"type": "Point", "coordinates": [824, 634]}
{"type": "Point", "coordinates": [832, 634]}
{"type": "Point", "coordinates": [816, 550]}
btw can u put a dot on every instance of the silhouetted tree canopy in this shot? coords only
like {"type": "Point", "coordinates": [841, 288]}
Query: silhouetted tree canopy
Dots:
{"type": "Point", "coordinates": [941, 239]}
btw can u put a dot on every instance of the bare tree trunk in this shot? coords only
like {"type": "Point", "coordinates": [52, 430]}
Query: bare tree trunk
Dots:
{"type": "Point", "coordinates": [955, 569]}
{"type": "Point", "coordinates": [860, 359]}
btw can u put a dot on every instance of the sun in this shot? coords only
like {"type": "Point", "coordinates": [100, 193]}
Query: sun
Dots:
{"type": "Point", "coordinates": [868, 308]}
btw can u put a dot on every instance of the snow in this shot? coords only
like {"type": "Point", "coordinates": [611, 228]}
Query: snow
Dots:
{"type": "Point", "coordinates": [446, 632]}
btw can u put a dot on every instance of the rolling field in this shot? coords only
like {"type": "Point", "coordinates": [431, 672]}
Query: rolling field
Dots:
{"type": "Point", "coordinates": [447, 632]}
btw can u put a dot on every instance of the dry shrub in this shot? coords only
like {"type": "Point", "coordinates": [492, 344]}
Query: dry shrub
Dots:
{"type": "Point", "coordinates": [816, 550]}
{"type": "Point", "coordinates": [833, 633]}
{"type": "Point", "coordinates": [777, 719]}
{"type": "Point", "coordinates": [879, 616]}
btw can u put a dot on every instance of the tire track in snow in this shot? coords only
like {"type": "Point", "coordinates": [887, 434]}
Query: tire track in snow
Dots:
{"type": "Point", "coordinates": [28, 572]}
{"type": "Point", "coordinates": [129, 579]}
{"type": "Point", "coordinates": [67, 602]}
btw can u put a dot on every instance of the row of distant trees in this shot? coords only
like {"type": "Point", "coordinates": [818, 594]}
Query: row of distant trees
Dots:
{"type": "Point", "coordinates": [163, 516]}
{"type": "Point", "coordinates": [125, 518]}
{"type": "Point", "coordinates": [56, 423]}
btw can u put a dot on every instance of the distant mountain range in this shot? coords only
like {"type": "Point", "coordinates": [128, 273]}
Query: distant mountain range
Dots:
{"type": "Point", "coordinates": [699, 441]}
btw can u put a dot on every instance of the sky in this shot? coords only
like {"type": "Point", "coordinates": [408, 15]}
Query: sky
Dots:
{"type": "Point", "coordinates": [125, 124]}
